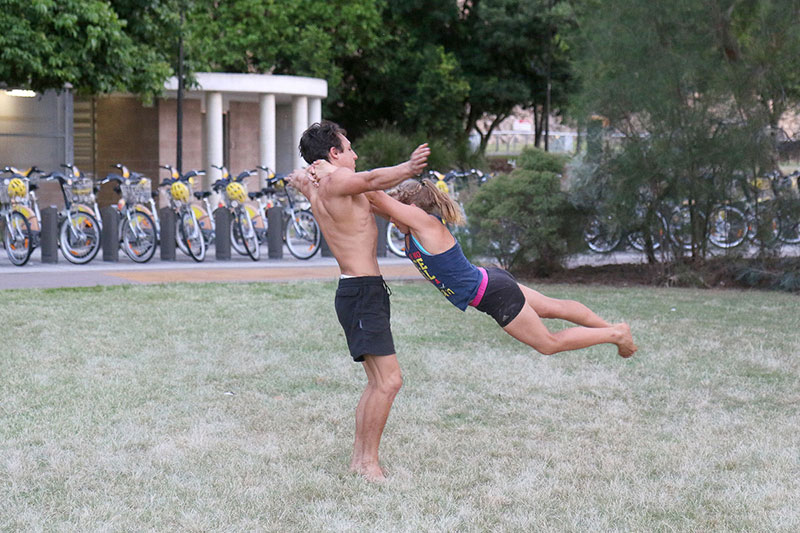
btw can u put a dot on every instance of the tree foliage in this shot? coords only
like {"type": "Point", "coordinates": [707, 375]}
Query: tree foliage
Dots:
{"type": "Point", "coordinates": [442, 65]}
{"type": "Point", "coordinates": [302, 37]}
{"type": "Point", "coordinates": [692, 87]}
{"type": "Point", "coordinates": [45, 44]}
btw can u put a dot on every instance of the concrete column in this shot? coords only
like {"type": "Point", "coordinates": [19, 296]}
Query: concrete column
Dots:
{"type": "Point", "coordinates": [266, 140]}
{"type": "Point", "coordinates": [314, 110]}
{"type": "Point", "coordinates": [299, 125]}
{"type": "Point", "coordinates": [214, 152]}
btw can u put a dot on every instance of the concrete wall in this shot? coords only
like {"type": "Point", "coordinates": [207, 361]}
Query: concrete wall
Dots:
{"type": "Point", "coordinates": [37, 132]}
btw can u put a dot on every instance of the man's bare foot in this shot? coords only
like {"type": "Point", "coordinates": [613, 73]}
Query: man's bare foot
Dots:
{"type": "Point", "coordinates": [371, 473]}
{"type": "Point", "coordinates": [625, 346]}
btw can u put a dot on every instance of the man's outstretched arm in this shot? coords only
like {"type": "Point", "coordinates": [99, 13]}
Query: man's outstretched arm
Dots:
{"type": "Point", "coordinates": [347, 182]}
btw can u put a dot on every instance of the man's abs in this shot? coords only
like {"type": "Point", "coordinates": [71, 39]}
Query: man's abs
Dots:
{"type": "Point", "coordinates": [352, 236]}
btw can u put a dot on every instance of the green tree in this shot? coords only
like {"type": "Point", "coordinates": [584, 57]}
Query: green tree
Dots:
{"type": "Point", "coordinates": [683, 83]}
{"type": "Point", "coordinates": [45, 44]}
{"type": "Point", "coordinates": [303, 37]}
{"type": "Point", "coordinates": [508, 50]}
{"type": "Point", "coordinates": [443, 65]}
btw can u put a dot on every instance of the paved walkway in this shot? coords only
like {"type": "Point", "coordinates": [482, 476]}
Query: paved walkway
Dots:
{"type": "Point", "coordinates": [36, 274]}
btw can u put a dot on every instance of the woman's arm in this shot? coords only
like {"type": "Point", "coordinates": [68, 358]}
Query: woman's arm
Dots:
{"type": "Point", "coordinates": [407, 215]}
{"type": "Point", "coordinates": [433, 235]}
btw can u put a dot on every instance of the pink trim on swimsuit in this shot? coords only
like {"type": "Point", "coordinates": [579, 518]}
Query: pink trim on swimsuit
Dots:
{"type": "Point", "coordinates": [481, 289]}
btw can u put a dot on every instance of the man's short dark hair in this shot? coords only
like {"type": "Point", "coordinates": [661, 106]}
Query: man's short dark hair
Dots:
{"type": "Point", "coordinates": [319, 138]}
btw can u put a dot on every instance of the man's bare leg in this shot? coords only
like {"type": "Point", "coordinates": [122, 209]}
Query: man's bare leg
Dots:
{"type": "Point", "coordinates": [527, 327]}
{"type": "Point", "coordinates": [569, 310]}
{"type": "Point", "coordinates": [384, 380]}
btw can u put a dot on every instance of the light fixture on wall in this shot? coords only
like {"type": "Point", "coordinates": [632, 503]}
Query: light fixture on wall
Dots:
{"type": "Point", "coordinates": [20, 93]}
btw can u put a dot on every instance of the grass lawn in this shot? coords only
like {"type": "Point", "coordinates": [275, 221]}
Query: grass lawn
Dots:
{"type": "Point", "coordinates": [230, 408]}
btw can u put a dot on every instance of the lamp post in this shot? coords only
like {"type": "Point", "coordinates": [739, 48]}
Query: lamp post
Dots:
{"type": "Point", "coordinates": [179, 150]}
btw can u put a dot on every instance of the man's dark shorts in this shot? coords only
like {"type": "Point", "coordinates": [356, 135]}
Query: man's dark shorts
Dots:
{"type": "Point", "coordinates": [362, 305]}
{"type": "Point", "coordinates": [503, 299]}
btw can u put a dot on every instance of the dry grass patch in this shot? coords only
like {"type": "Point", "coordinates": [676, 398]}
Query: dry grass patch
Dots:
{"type": "Point", "coordinates": [230, 407]}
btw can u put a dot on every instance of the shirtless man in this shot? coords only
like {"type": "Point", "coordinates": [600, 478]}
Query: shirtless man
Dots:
{"type": "Point", "coordinates": [345, 217]}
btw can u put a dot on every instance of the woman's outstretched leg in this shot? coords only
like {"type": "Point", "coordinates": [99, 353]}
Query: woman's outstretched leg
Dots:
{"type": "Point", "coordinates": [527, 327]}
{"type": "Point", "coordinates": [568, 310]}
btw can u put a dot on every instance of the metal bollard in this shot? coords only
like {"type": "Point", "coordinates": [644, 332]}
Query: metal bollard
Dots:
{"type": "Point", "coordinates": [222, 239]}
{"type": "Point", "coordinates": [275, 233]}
{"type": "Point", "coordinates": [167, 216]}
{"type": "Point", "coordinates": [49, 235]}
{"type": "Point", "coordinates": [324, 250]}
{"type": "Point", "coordinates": [110, 235]}
{"type": "Point", "coordinates": [382, 224]}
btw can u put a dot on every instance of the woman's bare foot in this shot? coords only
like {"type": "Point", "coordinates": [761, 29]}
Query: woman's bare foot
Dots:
{"type": "Point", "coordinates": [625, 345]}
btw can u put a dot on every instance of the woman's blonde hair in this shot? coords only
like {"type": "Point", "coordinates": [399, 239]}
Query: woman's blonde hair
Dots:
{"type": "Point", "coordinates": [425, 195]}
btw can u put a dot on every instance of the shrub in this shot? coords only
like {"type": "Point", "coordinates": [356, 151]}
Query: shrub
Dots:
{"type": "Point", "coordinates": [521, 219]}
{"type": "Point", "coordinates": [533, 158]}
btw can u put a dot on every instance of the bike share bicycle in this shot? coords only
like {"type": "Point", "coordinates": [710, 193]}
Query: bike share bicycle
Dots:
{"type": "Point", "coordinates": [301, 231]}
{"type": "Point", "coordinates": [234, 194]}
{"type": "Point", "coordinates": [138, 236]}
{"type": "Point", "coordinates": [17, 234]}
{"type": "Point", "coordinates": [190, 236]}
{"type": "Point", "coordinates": [78, 228]}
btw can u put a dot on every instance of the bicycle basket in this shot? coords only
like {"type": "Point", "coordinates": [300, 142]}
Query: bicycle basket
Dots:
{"type": "Point", "coordinates": [136, 191]}
{"type": "Point", "coordinates": [13, 190]}
{"type": "Point", "coordinates": [82, 191]}
{"type": "Point", "coordinates": [4, 198]}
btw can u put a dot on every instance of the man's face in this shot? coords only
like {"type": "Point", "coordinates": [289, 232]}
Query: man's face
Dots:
{"type": "Point", "coordinates": [347, 157]}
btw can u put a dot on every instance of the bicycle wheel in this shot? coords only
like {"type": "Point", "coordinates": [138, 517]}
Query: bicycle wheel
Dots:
{"type": "Point", "coordinates": [138, 236]}
{"type": "Point", "coordinates": [728, 227]}
{"type": "Point", "coordinates": [395, 240]}
{"type": "Point", "coordinates": [237, 243]}
{"type": "Point", "coordinates": [191, 235]}
{"type": "Point", "coordinates": [680, 227]}
{"type": "Point", "coordinates": [764, 229]}
{"type": "Point", "coordinates": [602, 234]}
{"type": "Point", "coordinates": [79, 237]}
{"type": "Point", "coordinates": [18, 238]}
{"type": "Point", "coordinates": [178, 240]}
{"type": "Point", "coordinates": [790, 230]}
{"type": "Point", "coordinates": [248, 234]}
{"type": "Point", "coordinates": [302, 234]}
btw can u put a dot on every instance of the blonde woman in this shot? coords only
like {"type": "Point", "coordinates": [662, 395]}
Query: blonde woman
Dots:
{"type": "Point", "coordinates": [420, 210]}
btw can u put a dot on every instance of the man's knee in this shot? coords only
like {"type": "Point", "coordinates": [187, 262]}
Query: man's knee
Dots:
{"type": "Point", "coordinates": [392, 383]}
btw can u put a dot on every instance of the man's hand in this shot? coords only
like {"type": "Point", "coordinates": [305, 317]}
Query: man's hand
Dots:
{"type": "Point", "coordinates": [320, 169]}
{"type": "Point", "coordinates": [419, 159]}
{"type": "Point", "coordinates": [301, 180]}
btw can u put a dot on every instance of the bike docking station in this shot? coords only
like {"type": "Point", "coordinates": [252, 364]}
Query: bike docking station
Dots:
{"type": "Point", "coordinates": [275, 233]}
{"type": "Point", "coordinates": [49, 235]}
{"type": "Point", "coordinates": [110, 234]}
{"type": "Point", "coordinates": [168, 243]}
{"type": "Point", "coordinates": [222, 238]}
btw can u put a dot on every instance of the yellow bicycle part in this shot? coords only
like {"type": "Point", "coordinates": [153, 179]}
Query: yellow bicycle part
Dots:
{"type": "Point", "coordinates": [16, 188]}
{"type": "Point", "coordinates": [235, 191]}
{"type": "Point", "coordinates": [179, 191]}
{"type": "Point", "coordinates": [29, 214]}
